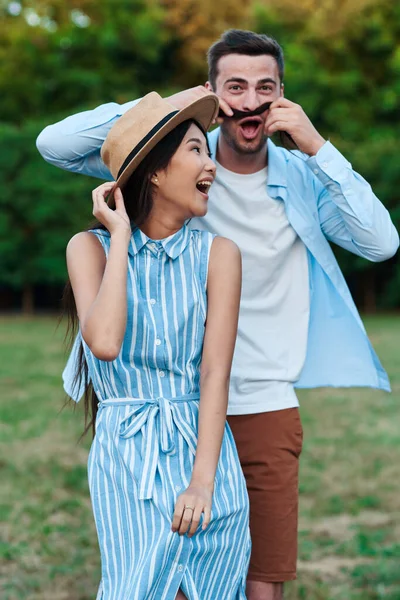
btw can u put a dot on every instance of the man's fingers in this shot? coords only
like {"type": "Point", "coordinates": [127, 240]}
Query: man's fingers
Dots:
{"type": "Point", "coordinates": [225, 107]}
{"type": "Point", "coordinates": [277, 126]}
{"type": "Point", "coordinates": [279, 112]}
{"type": "Point", "coordinates": [283, 102]}
{"type": "Point", "coordinates": [182, 99]}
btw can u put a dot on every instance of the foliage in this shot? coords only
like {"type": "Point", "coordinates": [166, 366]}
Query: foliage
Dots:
{"type": "Point", "coordinates": [41, 208]}
{"type": "Point", "coordinates": [57, 55]}
{"type": "Point", "coordinates": [342, 66]}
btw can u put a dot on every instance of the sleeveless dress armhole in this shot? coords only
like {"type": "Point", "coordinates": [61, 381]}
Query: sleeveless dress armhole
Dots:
{"type": "Point", "coordinates": [104, 238]}
{"type": "Point", "coordinates": [207, 239]}
{"type": "Point", "coordinates": [76, 388]}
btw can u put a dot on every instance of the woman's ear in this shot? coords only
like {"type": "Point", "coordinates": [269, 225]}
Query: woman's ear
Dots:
{"type": "Point", "coordinates": [154, 179]}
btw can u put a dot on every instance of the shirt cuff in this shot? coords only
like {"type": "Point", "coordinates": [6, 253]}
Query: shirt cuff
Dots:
{"type": "Point", "coordinates": [328, 164]}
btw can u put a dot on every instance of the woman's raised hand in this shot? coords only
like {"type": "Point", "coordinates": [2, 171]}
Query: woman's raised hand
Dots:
{"type": "Point", "coordinates": [114, 220]}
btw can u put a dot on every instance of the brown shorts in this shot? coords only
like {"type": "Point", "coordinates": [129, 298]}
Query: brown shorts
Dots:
{"type": "Point", "coordinates": [269, 445]}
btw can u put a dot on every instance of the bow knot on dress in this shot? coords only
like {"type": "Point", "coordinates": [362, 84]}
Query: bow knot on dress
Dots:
{"type": "Point", "coordinates": [154, 418]}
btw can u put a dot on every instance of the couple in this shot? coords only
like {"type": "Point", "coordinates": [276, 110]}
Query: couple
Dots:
{"type": "Point", "coordinates": [158, 303]}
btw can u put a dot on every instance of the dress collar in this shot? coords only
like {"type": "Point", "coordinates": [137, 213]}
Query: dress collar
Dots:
{"type": "Point", "coordinates": [173, 245]}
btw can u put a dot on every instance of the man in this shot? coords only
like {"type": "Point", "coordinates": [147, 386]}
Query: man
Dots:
{"type": "Point", "coordinates": [298, 324]}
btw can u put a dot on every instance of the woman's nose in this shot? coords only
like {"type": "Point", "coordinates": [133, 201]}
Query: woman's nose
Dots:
{"type": "Point", "coordinates": [211, 167]}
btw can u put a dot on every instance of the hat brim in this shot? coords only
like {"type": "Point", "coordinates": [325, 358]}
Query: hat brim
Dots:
{"type": "Point", "coordinates": [204, 111]}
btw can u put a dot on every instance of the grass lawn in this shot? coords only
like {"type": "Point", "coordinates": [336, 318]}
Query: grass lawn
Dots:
{"type": "Point", "coordinates": [349, 538]}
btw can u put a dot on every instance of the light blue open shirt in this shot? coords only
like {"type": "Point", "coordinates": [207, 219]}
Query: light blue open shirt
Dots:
{"type": "Point", "coordinates": [324, 199]}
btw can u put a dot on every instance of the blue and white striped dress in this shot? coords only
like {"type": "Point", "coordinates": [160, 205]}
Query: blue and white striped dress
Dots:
{"type": "Point", "coordinates": [142, 455]}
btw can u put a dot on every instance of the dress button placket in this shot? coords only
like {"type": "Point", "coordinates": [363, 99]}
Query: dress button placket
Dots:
{"type": "Point", "coordinates": [155, 293]}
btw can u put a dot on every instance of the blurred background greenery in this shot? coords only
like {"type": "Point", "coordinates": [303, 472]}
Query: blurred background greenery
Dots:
{"type": "Point", "coordinates": [58, 57]}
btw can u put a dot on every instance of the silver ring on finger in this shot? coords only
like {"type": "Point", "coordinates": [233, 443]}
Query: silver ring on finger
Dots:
{"type": "Point", "coordinates": [189, 507]}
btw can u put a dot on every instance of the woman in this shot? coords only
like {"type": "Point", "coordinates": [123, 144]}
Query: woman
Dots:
{"type": "Point", "coordinates": [157, 301]}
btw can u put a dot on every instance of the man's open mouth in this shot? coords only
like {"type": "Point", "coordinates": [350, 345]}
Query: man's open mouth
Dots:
{"type": "Point", "coordinates": [250, 128]}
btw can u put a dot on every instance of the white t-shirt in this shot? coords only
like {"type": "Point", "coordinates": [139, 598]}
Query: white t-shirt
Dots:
{"type": "Point", "coordinates": [274, 312]}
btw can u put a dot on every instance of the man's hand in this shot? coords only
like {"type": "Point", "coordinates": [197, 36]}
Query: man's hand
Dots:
{"type": "Point", "coordinates": [183, 99]}
{"type": "Point", "coordinates": [285, 115]}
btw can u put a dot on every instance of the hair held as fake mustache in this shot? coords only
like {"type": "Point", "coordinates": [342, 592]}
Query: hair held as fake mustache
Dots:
{"type": "Point", "coordinates": [285, 138]}
{"type": "Point", "coordinates": [243, 114]}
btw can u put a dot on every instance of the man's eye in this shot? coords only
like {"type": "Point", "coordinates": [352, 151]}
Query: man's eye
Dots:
{"type": "Point", "coordinates": [266, 88]}
{"type": "Point", "coordinates": [235, 88]}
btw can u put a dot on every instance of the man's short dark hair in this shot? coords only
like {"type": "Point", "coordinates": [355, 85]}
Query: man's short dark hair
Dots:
{"type": "Point", "coordinates": [239, 41]}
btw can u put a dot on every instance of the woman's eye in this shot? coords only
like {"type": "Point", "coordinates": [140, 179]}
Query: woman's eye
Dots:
{"type": "Point", "coordinates": [197, 148]}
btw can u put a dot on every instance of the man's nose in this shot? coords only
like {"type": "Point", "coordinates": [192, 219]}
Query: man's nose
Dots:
{"type": "Point", "coordinates": [251, 101]}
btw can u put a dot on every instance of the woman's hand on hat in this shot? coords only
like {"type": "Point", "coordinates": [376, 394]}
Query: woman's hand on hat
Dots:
{"type": "Point", "coordinates": [116, 221]}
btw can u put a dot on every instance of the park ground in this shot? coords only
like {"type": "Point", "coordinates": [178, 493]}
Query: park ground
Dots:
{"type": "Point", "coordinates": [349, 538]}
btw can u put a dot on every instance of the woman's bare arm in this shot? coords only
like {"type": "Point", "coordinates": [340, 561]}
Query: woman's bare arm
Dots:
{"type": "Point", "coordinates": [99, 285]}
{"type": "Point", "coordinates": [223, 290]}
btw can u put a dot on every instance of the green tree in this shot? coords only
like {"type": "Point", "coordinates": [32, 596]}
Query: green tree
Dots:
{"type": "Point", "coordinates": [41, 208]}
{"type": "Point", "coordinates": [58, 56]}
{"type": "Point", "coordinates": [345, 72]}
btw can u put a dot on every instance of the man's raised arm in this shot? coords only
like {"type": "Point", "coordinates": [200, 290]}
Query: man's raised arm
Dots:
{"type": "Point", "coordinates": [350, 214]}
{"type": "Point", "coordinates": [74, 143]}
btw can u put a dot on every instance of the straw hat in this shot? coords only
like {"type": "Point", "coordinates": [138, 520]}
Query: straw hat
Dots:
{"type": "Point", "coordinates": [139, 129]}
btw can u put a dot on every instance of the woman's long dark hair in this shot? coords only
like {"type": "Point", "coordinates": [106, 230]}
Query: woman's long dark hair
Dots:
{"type": "Point", "coordinates": [138, 199]}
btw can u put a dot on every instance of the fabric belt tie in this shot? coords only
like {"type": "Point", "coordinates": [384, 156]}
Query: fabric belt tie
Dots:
{"type": "Point", "coordinates": [143, 417]}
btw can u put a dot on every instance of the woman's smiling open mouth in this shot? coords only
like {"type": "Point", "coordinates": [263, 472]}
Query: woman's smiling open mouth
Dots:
{"type": "Point", "coordinates": [204, 185]}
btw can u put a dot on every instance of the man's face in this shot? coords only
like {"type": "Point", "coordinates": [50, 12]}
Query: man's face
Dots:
{"type": "Point", "coordinates": [246, 82]}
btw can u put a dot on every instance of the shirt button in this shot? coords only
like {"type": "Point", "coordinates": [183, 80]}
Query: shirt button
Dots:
{"type": "Point", "coordinates": [158, 342]}
{"type": "Point", "coordinates": [162, 374]}
{"type": "Point", "coordinates": [316, 171]}
{"type": "Point", "coordinates": [325, 165]}
{"type": "Point", "coordinates": [180, 568]}
{"type": "Point", "coordinates": [178, 488]}
{"type": "Point", "coordinates": [152, 301]}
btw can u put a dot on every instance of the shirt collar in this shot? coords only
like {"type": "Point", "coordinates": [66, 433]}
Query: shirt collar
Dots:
{"type": "Point", "coordinates": [277, 162]}
{"type": "Point", "coordinates": [173, 245]}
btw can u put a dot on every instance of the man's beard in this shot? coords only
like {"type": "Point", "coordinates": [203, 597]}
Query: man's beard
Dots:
{"type": "Point", "coordinates": [242, 148]}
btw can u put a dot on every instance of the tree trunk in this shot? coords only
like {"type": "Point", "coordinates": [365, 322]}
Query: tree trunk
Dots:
{"type": "Point", "coordinates": [369, 302]}
{"type": "Point", "coordinates": [28, 299]}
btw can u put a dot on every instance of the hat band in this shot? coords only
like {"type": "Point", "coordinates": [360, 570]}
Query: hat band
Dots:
{"type": "Point", "coordinates": [144, 141]}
